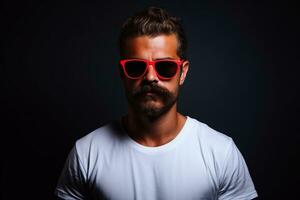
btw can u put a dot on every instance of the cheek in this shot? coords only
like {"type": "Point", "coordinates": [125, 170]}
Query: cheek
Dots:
{"type": "Point", "coordinates": [131, 85]}
{"type": "Point", "coordinates": [173, 86]}
{"type": "Point", "coordinates": [176, 82]}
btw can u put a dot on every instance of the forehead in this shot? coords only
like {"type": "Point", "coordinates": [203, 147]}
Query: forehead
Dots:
{"type": "Point", "coordinates": [148, 47]}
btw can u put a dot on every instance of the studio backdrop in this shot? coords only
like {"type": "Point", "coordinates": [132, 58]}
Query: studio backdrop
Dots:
{"type": "Point", "coordinates": [60, 79]}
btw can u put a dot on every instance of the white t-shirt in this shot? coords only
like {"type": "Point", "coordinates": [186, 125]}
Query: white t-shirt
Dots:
{"type": "Point", "coordinates": [199, 163]}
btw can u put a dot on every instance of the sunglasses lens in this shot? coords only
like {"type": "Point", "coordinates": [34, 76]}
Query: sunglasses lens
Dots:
{"type": "Point", "coordinates": [135, 68]}
{"type": "Point", "coordinates": [166, 69]}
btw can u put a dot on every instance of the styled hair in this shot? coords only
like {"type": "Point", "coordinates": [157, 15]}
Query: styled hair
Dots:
{"type": "Point", "coordinates": [152, 22]}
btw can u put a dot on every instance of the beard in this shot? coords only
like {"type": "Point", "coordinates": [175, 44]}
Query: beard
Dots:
{"type": "Point", "coordinates": [154, 105]}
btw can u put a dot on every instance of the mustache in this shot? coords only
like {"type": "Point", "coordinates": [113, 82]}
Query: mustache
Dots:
{"type": "Point", "coordinates": [151, 88]}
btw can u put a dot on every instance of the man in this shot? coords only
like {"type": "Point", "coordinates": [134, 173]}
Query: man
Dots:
{"type": "Point", "coordinates": [154, 152]}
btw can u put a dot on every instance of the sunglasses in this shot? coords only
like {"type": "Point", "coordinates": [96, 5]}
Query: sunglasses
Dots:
{"type": "Point", "coordinates": [165, 69]}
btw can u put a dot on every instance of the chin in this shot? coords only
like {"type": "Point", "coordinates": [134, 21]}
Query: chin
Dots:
{"type": "Point", "coordinates": [152, 113]}
{"type": "Point", "coordinates": [153, 110]}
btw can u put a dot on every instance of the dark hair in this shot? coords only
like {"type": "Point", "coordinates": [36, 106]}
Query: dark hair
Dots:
{"type": "Point", "coordinates": [152, 22]}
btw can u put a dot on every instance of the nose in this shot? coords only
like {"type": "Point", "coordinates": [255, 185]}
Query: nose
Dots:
{"type": "Point", "coordinates": [151, 74]}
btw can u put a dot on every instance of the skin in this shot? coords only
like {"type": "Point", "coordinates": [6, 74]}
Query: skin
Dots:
{"type": "Point", "coordinates": [158, 129]}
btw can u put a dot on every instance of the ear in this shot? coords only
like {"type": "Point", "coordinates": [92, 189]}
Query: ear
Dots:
{"type": "Point", "coordinates": [185, 68]}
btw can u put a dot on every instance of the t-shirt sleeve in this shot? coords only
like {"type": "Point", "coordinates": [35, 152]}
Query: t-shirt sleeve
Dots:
{"type": "Point", "coordinates": [71, 184]}
{"type": "Point", "coordinates": [236, 183]}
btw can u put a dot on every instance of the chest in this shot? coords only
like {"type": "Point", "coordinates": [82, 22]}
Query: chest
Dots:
{"type": "Point", "coordinates": [177, 174]}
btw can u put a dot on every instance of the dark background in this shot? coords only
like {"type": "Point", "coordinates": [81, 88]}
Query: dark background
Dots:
{"type": "Point", "coordinates": [59, 81]}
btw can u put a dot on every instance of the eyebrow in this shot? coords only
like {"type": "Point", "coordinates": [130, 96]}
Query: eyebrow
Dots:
{"type": "Point", "coordinates": [169, 58]}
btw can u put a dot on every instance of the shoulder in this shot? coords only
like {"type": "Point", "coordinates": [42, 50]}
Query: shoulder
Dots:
{"type": "Point", "coordinates": [216, 148]}
{"type": "Point", "coordinates": [210, 138]}
{"type": "Point", "coordinates": [223, 158]}
{"type": "Point", "coordinates": [102, 138]}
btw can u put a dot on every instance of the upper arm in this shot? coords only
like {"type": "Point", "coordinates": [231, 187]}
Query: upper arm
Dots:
{"type": "Point", "coordinates": [72, 182]}
{"type": "Point", "coordinates": [236, 182]}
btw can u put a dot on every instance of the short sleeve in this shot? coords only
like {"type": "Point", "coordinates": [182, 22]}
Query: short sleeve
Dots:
{"type": "Point", "coordinates": [71, 184]}
{"type": "Point", "coordinates": [236, 182]}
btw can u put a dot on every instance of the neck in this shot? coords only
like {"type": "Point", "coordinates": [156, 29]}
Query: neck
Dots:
{"type": "Point", "coordinates": [154, 132]}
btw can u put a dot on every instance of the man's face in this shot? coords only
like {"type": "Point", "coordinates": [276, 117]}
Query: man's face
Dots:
{"type": "Point", "coordinates": [149, 95]}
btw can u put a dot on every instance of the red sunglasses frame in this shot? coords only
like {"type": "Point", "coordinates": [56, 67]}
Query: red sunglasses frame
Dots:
{"type": "Point", "coordinates": [148, 62]}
